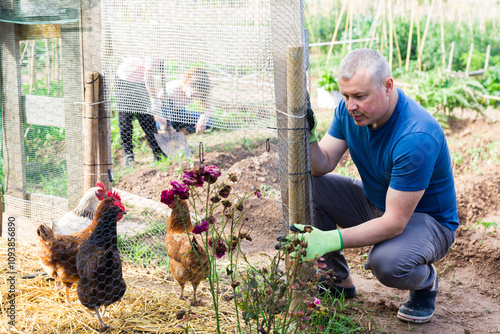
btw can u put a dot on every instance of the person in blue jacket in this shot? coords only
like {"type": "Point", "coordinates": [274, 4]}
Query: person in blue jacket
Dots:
{"type": "Point", "coordinates": [404, 205]}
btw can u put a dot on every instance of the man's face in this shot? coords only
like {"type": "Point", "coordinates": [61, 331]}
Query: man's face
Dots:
{"type": "Point", "coordinates": [366, 101]}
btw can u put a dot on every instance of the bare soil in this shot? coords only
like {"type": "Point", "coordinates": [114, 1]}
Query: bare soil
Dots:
{"type": "Point", "coordinates": [469, 292]}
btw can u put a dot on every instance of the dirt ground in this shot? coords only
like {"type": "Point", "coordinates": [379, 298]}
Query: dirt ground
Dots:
{"type": "Point", "coordinates": [469, 293]}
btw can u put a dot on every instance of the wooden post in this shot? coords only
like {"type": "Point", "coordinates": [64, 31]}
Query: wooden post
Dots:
{"type": "Point", "coordinates": [90, 127]}
{"type": "Point", "coordinates": [285, 33]}
{"type": "Point", "coordinates": [450, 59]}
{"type": "Point", "coordinates": [104, 141]}
{"type": "Point", "coordinates": [469, 60]}
{"type": "Point", "coordinates": [298, 174]}
{"type": "Point", "coordinates": [12, 115]}
{"type": "Point", "coordinates": [32, 70]}
{"type": "Point", "coordinates": [487, 59]}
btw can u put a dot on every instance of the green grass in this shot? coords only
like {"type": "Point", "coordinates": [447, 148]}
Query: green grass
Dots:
{"type": "Point", "coordinates": [146, 247]}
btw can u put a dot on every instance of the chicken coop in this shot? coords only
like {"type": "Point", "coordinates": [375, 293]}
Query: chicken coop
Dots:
{"type": "Point", "coordinates": [60, 62]}
{"type": "Point", "coordinates": [91, 90]}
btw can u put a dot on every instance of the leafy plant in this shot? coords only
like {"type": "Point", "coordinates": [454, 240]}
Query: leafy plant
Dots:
{"type": "Point", "coordinates": [328, 81]}
{"type": "Point", "coordinates": [486, 226]}
{"type": "Point", "coordinates": [265, 299]}
{"type": "Point", "coordinates": [441, 93]}
{"type": "Point", "coordinates": [491, 83]}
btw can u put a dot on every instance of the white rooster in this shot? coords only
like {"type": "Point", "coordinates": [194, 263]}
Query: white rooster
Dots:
{"type": "Point", "coordinates": [81, 216]}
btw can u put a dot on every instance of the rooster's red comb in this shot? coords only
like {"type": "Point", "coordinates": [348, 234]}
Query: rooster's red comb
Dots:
{"type": "Point", "coordinates": [100, 193]}
{"type": "Point", "coordinates": [114, 195]}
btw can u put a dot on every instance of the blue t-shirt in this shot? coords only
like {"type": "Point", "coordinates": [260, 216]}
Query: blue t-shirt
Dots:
{"type": "Point", "coordinates": [408, 153]}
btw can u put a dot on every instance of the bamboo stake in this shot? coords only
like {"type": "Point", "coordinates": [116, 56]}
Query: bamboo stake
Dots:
{"type": "Point", "coordinates": [391, 33]}
{"type": "Point", "coordinates": [421, 50]}
{"type": "Point", "coordinates": [469, 60]}
{"type": "Point", "coordinates": [90, 130]}
{"type": "Point", "coordinates": [337, 25]}
{"type": "Point", "coordinates": [487, 59]}
{"type": "Point", "coordinates": [410, 35]}
{"type": "Point", "coordinates": [373, 28]}
{"type": "Point", "coordinates": [441, 21]}
{"type": "Point", "coordinates": [417, 22]}
{"type": "Point", "coordinates": [450, 59]}
{"type": "Point", "coordinates": [309, 27]}
{"type": "Point", "coordinates": [346, 28]}
{"type": "Point", "coordinates": [400, 59]}
{"type": "Point", "coordinates": [351, 23]}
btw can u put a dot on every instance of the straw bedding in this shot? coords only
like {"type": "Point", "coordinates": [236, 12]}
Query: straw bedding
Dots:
{"type": "Point", "coordinates": [150, 304]}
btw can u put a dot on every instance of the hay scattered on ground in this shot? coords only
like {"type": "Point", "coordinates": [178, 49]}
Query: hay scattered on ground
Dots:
{"type": "Point", "coordinates": [150, 305]}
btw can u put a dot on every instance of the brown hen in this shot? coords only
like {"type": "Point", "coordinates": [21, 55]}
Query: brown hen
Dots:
{"type": "Point", "coordinates": [188, 258]}
{"type": "Point", "coordinates": [57, 252]}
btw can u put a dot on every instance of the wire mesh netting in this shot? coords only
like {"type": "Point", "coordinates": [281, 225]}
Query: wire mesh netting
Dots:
{"type": "Point", "coordinates": [232, 71]}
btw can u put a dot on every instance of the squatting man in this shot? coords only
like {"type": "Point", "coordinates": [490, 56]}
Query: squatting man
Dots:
{"type": "Point", "coordinates": [405, 204]}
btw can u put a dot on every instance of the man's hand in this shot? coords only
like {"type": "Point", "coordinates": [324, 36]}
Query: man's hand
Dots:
{"type": "Point", "coordinates": [156, 105]}
{"type": "Point", "coordinates": [318, 242]}
{"type": "Point", "coordinates": [312, 122]}
{"type": "Point", "coordinates": [201, 125]}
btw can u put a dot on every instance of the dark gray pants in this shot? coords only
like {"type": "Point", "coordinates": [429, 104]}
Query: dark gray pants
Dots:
{"type": "Point", "coordinates": [402, 262]}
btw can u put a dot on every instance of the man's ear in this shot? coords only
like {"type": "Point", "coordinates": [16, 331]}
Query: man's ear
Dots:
{"type": "Point", "coordinates": [389, 85]}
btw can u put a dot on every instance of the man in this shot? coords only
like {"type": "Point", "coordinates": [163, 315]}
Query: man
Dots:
{"type": "Point", "coordinates": [405, 203]}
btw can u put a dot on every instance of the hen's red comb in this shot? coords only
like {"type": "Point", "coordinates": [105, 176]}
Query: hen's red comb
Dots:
{"type": "Point", "coordinates": [100, 185]}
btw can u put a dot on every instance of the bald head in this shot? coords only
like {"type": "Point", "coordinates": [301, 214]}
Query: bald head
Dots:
{"type": "Point", "coordinates": [372, 61]}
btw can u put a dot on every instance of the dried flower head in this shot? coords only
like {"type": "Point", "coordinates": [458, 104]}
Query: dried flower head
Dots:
{"type": "Point", "coordinates": [225, 191]}
{"type": "Point", "coordinates": [220, 249]}
{"type": "Point", "coordinates": [233, 177]}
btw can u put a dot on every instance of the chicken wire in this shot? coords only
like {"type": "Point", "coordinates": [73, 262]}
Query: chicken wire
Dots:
{"type": "Point", "coordinates": [231, 57]}
{"type": "Point", "coordinates": [41, 117]}
{"type": "Point", "coordinates": [167, 63]}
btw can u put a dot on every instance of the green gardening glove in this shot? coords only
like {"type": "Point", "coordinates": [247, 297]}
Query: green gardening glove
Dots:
{"type": "Point", "coordinates": [312, 122]}
{"type": "Point", "coordinates": [318, 242]}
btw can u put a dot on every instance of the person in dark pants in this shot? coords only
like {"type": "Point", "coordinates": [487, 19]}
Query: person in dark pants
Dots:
{"type": "Point", "coordinates": [135, 89]}
{"type": "Point", "coordinates": [404, 205]}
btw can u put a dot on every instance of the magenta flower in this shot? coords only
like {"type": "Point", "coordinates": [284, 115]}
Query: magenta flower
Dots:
{"type": "Point", "coordinates": [198, 229]}
{"type": "Point", "coordinates": [258, 193]}
{"type": "Point", "coordinates": [180, 189]}
{"type": "Point", "coordinates": [167, 197]}
{"type": "Point", "coordinates": [317, 301]}
{"type": "Point", "coordinates": [189, 178]}
{"type": "Point", "coordinates": [211, 174]}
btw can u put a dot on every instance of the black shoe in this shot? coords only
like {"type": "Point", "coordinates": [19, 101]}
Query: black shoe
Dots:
{"type": "Point", "coordinates": [420, 306]}
{"type": "Point", "coordinates": [334, 290]}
